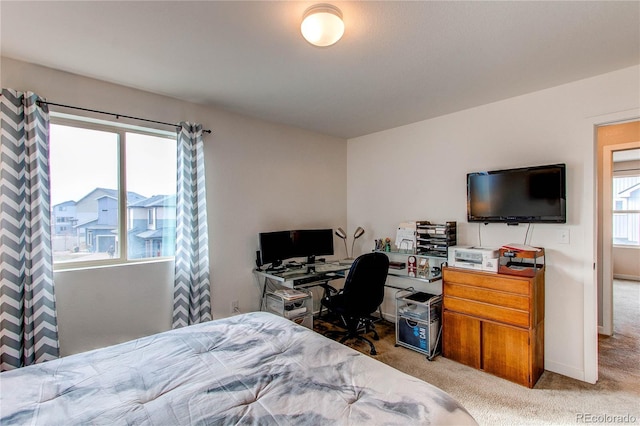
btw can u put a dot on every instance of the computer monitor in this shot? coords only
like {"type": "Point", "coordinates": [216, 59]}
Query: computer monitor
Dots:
{"type": "Point", "coordinates": [278, 246]}
{"type": "Point", "coordinates": [275, 246]}
{"type": "Point", "coordinates": [313, 242]}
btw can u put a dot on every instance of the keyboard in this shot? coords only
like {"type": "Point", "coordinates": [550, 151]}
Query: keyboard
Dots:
{"type": "Point", "coordinates": [329, 268]}
{"type": "Point", "coordinates": [287, 274]}
{"type": "Point", "coordinates": [307, 280]}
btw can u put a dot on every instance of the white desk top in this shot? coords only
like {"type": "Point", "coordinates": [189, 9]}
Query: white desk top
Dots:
{"type": "Point", "coordinates": [323, 271]}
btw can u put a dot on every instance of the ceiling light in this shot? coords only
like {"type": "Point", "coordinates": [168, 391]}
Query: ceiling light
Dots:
{"type": "Point", "coordinates": [322, 25]}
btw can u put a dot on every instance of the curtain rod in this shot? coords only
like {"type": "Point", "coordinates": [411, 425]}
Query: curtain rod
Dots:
{"type": "Point", "coordinates": [113, 114]}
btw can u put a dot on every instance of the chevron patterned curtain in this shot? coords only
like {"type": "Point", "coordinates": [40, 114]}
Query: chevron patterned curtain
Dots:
{"type": "Point", "coordinates": [191, 296]}
{"type": "Point", "coordinates": [29, 329]}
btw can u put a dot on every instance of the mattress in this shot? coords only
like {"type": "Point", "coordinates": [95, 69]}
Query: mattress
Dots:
{"type": "Point", "coordinates": [255, 368]}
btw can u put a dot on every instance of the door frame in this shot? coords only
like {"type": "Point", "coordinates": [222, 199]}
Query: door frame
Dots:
{"type": "Point", "coordinates": [592, 270]}
{"type": "Point", "coordinates": [607, 233]}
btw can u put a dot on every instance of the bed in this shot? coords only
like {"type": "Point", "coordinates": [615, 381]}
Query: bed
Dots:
{"type": "Point", "coordinates": [255, 368]}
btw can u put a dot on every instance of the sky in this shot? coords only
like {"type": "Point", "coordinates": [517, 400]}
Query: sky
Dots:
{"type": "Point", "coordinates": [84, 159]}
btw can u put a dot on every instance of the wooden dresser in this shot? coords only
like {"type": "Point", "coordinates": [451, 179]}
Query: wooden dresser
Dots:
{"type": "Point", "coordinates": [495, 323]}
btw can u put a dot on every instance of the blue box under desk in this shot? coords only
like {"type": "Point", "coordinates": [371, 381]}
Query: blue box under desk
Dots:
{"type": "Point", "coordinates": [418, 322]}
{"type": "Point", "coordinates": [418, 335]}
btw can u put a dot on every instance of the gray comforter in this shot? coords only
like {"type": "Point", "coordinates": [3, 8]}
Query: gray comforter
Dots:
{"type": "Point", "coordinates": [255, 368]}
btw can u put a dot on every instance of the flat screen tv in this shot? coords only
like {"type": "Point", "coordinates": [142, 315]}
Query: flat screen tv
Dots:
{"type": "Point", "coordinates": [524, 195]}
{"type": "Point", "coordinates": [282, 245]}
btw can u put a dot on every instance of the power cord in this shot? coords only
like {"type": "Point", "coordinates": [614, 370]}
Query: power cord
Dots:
{"type": "Point", "coordinates": [526, 235]}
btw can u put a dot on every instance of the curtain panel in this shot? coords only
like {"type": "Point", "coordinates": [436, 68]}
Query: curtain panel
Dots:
{"type": "Point", "coordinates": [191, 298]}
{"type": "Point", "coordinates": [29, 331]}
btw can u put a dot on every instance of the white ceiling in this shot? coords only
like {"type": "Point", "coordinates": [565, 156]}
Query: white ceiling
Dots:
{"type": "Point", "coordinates": [398, 62]}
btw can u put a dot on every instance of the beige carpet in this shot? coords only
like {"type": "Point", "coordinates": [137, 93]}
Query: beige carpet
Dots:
{"type": "Point", "coordinates": [555, 399]}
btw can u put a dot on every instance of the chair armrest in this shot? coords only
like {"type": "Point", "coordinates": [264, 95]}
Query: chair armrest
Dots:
{"type": "Point", "coordinates": [330, 289]}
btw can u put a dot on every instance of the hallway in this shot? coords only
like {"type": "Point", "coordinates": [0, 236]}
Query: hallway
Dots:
{"type": "Point", "coordinates": [619, 355]}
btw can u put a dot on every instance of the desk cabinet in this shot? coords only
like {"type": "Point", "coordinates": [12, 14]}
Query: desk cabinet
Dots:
{"type": "Point", "coordinates": [495, 323]}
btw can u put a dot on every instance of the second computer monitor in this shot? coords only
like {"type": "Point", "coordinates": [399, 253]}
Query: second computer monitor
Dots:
{"type": "Point", "coordinates": [282, 245]}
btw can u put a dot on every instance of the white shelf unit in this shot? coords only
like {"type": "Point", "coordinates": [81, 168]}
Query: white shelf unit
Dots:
{"type": "Point", "coordinates": [424, 273]}
{"type": "Point", "coordinates": [298, 310]}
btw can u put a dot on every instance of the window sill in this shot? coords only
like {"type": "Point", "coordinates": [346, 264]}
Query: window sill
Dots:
{"type": "Point", "coordinates": [116, 263]}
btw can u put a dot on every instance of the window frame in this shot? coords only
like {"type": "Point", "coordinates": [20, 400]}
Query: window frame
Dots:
{"type": "Point", "coordinates": [620, 174]}
{"type": "Point", "coordinates": [121, 255]}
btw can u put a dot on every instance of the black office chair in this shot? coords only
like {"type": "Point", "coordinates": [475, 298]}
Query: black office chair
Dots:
{"type": "Point", "coordinates": [361, 295]}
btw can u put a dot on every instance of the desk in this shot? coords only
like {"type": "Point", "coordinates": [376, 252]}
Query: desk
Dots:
{"type": "Point", "coordinates": [304, 277]}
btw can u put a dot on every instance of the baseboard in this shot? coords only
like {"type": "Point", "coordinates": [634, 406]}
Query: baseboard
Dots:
{"type": "Point", "coordinates": [389, 317]}
{"type": "Point", "coordinates": [626, 277]}
{"type": "Point", "coordinates": [565, 370]}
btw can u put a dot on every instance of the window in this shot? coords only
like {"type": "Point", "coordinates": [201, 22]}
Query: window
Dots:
{"type": "Point", "coordinates": [107, 177]}
{"type": "Point", "coordinates": [626, 210]}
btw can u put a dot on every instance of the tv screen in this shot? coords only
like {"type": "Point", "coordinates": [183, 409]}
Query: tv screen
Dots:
{"type": "Point", "coordinates": [524, 195]}
{"type": "Point", "coordinates": [282, 245]}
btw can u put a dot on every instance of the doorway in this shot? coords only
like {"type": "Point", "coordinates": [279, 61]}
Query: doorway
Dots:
{"type": "Point", "coordinates": [618, 148]}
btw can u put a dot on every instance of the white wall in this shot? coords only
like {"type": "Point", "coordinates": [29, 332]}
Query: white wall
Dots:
{"type": "Point", "coordinates": [418, 172]}
{"type": "Point", "coordinates": [102, 306]}
{"type": "Point", "coordinates": [260, 177]}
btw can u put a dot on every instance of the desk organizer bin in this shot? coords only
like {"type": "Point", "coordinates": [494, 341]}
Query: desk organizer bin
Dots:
{"type": "Point", "coordinates": [435, 239]}
{"type": "Point", "coordinates": [305, 320]}
{"type": "Point", "coordinates": [521, 262]}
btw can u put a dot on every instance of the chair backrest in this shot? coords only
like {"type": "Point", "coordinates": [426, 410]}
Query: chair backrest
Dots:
{"type": "Point", "coordinates": [364, 286]}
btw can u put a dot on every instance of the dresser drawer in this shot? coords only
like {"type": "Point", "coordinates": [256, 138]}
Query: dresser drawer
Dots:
{"type": "Point", "coordinates": [493, 297]}
{"type": "Point", "coordinates": [517, 317]}
{"type": "Point", "coordinates": [510, 284]}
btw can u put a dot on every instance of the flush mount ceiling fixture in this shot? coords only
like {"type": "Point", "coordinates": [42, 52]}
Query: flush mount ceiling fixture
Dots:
{"type": "Point", "coordinates": [322, 25]}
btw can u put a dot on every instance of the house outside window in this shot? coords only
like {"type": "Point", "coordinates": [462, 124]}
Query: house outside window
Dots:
{"type": "Point", "coordinates": [626, 210]}
{"type": "Point", "coordinates": [104, 179]}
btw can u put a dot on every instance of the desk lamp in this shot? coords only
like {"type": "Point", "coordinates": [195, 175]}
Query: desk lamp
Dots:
{"type": "Point", "coordinates": [340, 233]}
{"type": "Point", "coordinates": [356, 235]}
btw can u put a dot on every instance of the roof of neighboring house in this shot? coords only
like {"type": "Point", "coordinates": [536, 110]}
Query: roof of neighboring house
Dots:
{"type": "Point", "coordinates": [132, 197]}
{"type": "Point", "coordinates": [92, 224]}
{"type": "Point", "coordinates": [153, 233]}
{"type": "Point", "coordinates": [146, 235]}
{"type": "Point", "coordinates": [107, 196]}
{"type": "Point", "coordinates": [65, 203]}
{"type": "Point", "coordinates": [155, 201]}
{"type": "Point", "coordinates": [86, 222]}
